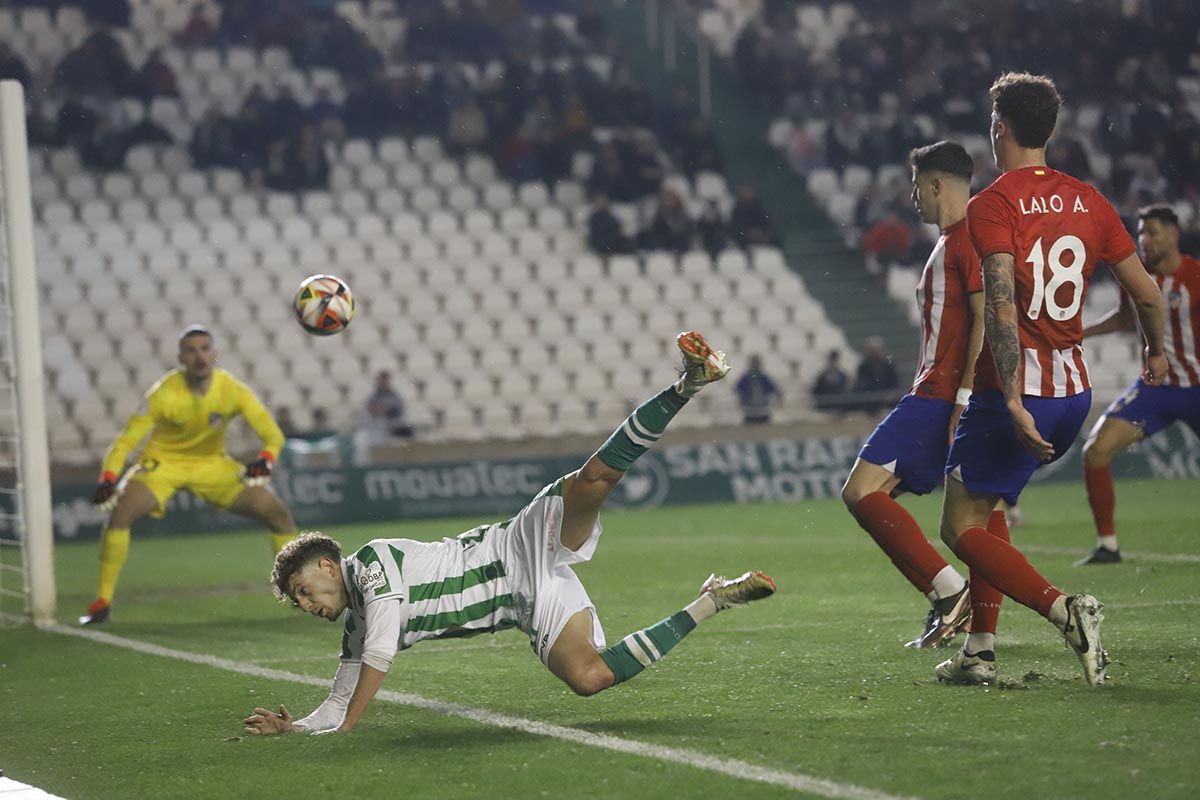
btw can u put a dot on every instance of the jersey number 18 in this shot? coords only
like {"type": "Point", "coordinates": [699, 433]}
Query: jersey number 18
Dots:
{"type": "Point", "coordinates": [1061, 275]}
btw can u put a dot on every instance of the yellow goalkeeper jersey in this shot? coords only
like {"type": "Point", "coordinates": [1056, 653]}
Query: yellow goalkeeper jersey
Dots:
{"type": "Point", "coordinates": [182, 424]}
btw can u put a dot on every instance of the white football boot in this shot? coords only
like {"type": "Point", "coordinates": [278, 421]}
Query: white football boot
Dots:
{"type": "Point", "coordinates": [968, 669]}
{"type": "Point", "coordinates": [1082, 634]}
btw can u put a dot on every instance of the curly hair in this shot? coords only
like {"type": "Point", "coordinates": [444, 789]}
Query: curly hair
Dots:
{"type": "Point", "coordinates": [306, 548]}
{"type": "Point", "coordinates": [949, 157]}
{"type": "Point", "coordinates": [1029, 106]}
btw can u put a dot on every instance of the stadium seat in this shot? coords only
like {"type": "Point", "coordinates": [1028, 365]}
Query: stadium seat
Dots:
{"type": "Point", "coordinates": [498, 196]}
{"type": "Point", "coordinates": [822, 183]}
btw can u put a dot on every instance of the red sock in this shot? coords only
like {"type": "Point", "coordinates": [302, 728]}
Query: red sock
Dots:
{"type": "Point", "coordinates": [1102, 497]}
{"type": "Point", "coordinates": [899, 535]}
{"type": "Point", "coordinates": [985, 598]}
{"type": "Point", "coordinates": [1003, 566]}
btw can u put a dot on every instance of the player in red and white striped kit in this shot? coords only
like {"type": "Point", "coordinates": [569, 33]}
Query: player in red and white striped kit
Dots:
{"type": "Point", "coordinates": [1039, 234]}
{"type": "Point", "coordinates": [907, 452]}
{"type": "Point", "coordinates": [1144, 410]}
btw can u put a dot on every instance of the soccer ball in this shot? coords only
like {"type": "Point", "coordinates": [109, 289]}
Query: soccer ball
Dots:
{"type": "Point", "coordinates": [323, 305]}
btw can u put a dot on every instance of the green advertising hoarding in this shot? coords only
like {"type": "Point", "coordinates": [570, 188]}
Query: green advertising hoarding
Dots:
{"type": "Point", "coordinates": [779, 470]}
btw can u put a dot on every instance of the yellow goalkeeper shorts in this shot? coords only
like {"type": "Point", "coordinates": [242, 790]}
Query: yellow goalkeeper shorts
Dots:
{"type": "Point", "coordinates": [217, 479]}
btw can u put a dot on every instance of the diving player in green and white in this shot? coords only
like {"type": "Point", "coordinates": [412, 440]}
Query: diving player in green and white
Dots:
{"type": "Point", "coordinates": [514, 574]}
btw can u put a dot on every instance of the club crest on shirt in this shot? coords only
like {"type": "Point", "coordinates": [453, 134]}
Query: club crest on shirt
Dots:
{"type": "Point", "coordinates": [1175, 299]}
{"type": "Point", "coordinates": [215, 419]}
{"type": "Point", "coordinates": [372, 577]}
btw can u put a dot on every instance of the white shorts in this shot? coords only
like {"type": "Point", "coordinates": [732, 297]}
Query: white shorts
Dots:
{"type": "Point", "coordinates": [546, 590]}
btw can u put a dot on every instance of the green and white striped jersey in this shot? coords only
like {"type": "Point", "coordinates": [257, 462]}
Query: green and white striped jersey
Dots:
{"type": "Point", "coordinates": [403, 591]}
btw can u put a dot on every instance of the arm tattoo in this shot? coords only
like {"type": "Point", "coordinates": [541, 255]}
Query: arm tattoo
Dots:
{"type": "Point", "coordinates": [1000, 320]}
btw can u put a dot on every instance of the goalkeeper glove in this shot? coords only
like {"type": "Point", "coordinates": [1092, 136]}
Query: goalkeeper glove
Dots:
{"type": "Point", "coordinates": [258, 473]}
{"type": "Point", "coordinates": [106, 495]}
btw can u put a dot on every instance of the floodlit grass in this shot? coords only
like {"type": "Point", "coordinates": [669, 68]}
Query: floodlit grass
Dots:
{"type": "Point", "coordinates": [812, 681]}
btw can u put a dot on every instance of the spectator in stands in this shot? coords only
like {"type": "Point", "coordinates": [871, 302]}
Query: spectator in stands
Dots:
{"type": "Point", "coordinates": [609, 177]}
{"type": "Point", "coordinates": [670, 228]}
{"type": "Point", "coordinates": [832, 383]}
{"type": "Point", "coordinates": [12, 67]}
{"type": "Point", "coordinates": [714, 233]}
{"type": "Point", "coordinates": [105, 148]}
{"type": "Point", "coordinates": [698, 148]}
{"type": "Point", "coordinates": [97, 65]}
{"type": "Point", "coordinates": [283, 418]}
{"type": "Point", "coordinates": [75, 122]}
{"type": "Point", "coordinates": [40, 126]}
{"type": "Point", "coordinates": [199, 30]}
{"type": "Point", "coordinates": [214, 141]}
{"type": "Point", "coordinates": [285, 114]}
{"type": "Point", "coordinates": [466, 127]}
{"type": "Point", "coordinates": [877, 380]}
{"type": "Point", "coordinates": [605, 234]}
{"type": "Point", "coordinates": [887, 242]}
{"type": "Point", "coordinates": [750, 222]}
{"type": "Point", "coordinates": [1147, 185]}
{"type": "Point", "coordinates": [643, 164]}
{"type": "Point", "coordinates": [756, 393]}
{"type": "Point", "coordinates": [844, 141]}
{"type": "Point", "coordinates": [253, 132]}
{"type": "Point", "coordinates": [327, 116]}
{"type": "Point", "coordinates": [156, 78]}
{"type": "Point", "coordinates": [384, 412]}
{"type": "Point", "coordinates": [320, 429]}
{"type": "Point", "coordinates": [298, 163]}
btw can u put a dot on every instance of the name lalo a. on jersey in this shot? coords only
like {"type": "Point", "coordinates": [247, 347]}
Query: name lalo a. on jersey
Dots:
{"type": "Point", "coordinates": [1050, 205]}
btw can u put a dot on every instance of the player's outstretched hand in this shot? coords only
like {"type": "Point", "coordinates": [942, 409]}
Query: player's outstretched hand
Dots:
{"type": "Point", "coordinates": [258, 473]}
{"type": "Point", "coordinates": [263, 722]}
{"type": "Point", "coordinates": [1156, 369]}
{"type": "Point", "coordinates": [106, 495]}
{"type": "Point", "coordinates": [1027, 433]}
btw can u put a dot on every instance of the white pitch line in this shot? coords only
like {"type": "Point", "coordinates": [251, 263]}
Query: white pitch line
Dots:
{"type": "Point", "coordinates": [688, 758]}
{"type": "Point", "coordinates": [1163, 558]}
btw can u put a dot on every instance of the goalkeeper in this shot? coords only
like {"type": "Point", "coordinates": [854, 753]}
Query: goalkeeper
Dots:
{"type": "Point", "coordinates": [186, 414]}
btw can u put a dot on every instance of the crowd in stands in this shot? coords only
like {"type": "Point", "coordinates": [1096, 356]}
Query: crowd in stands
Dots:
{"type": "Point", "coordinates": [475, 74]}
{"type": "Point", "coordinates": [860, 84]}
{"type": "Point", "coordinates": [673, 227]}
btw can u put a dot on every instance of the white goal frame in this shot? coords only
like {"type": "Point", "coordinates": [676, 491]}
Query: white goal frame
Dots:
{"type": "Point", "coordinates": [34, 523]}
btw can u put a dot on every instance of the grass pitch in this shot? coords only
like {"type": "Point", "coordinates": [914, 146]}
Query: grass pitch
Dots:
{"type": "Point", "coordinates": [812, 681]}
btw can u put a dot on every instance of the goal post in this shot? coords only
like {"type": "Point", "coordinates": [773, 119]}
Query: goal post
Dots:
{"type": "Point", "coordinates": [31, 509]}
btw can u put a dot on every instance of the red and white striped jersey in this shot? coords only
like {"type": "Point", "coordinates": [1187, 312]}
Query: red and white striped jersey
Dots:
{"type": "Point", "coordinates": [1181, 298]}
{"type": "Point", "coordinates": [1057, 228]}
{"type": "Point", "coordinates": [951, 274]}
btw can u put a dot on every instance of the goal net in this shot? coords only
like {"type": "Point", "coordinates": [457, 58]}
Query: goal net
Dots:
{"type": "Point", "coordinates": [26, 527]}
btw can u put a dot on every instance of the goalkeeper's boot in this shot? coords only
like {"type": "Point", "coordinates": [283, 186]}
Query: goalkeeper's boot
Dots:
{"type": "Point", "coordinates": [739, 591]}
{"type": "Point", "coordinates": [701, 364]}
{"type": "Point", "coordinates": [97, 613]}
{"type": "Point", "coordinates": [953, 616]}
{"type": "Point", "coordinates": [1082, 634]}
{"type": "Point", "coordinates": [968, 669]}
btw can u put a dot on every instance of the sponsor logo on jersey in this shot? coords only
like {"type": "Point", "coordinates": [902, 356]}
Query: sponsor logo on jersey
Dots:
{"type": "Point", "coordinates": [215, 419]}
{"type": "Point", "coordinates": [372, 577]}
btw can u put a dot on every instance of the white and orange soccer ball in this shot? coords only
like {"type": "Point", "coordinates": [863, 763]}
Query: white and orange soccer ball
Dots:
{"type": "Point", "coordinates": [323, 305]}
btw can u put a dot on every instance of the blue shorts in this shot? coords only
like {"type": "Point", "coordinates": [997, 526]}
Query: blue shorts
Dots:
{"type": "Point", "coordinates": [986, 454]}
{"type": "Point", "coordinates": [1153, 408]}
{"type": "Point", "coordinates": [911, 443]}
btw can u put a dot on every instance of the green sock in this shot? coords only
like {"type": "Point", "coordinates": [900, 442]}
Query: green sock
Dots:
{"type": "Point", "coordinates": [642, 648]}
{"type": "Point", "coordinates": [641, 429]}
